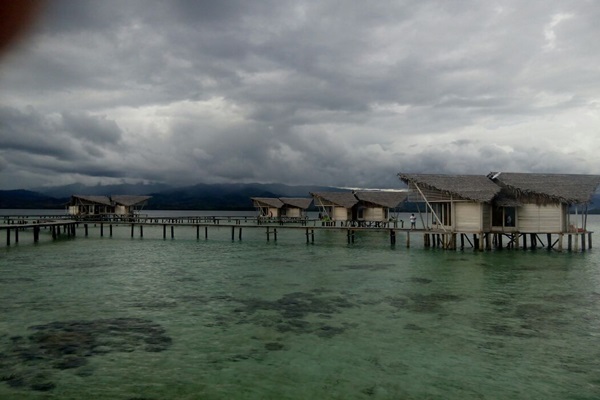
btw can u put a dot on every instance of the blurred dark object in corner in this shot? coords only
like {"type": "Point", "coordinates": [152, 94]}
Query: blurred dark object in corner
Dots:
{"type": "Point", "coordinates": [16, 16]}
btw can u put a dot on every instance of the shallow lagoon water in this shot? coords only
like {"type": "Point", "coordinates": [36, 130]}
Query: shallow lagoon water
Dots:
{"type": "Point", "coordinates": [123, 318]}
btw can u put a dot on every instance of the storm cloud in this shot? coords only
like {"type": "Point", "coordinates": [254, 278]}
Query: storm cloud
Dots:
{"type": "Point", "coordinates": [298, 92]}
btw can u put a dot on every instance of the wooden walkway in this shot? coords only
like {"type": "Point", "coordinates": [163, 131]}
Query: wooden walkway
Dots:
{"type": "Point", "coordinates": [62, 225]}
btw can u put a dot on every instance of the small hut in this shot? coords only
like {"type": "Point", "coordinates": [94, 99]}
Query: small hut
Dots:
{"type": "Point", "coordinates": [376, 205]}
{"type": "Point", "coordinates": [89, 205]}
{"type": "Point", "coordinates": [543, 202]}
{"type": "Point", "coordinates": [457, 203]}
{"type": "Point", "coordinates": [294, 207]}
{"type": "Point", "coordinates": [128, 205]}
{"type": "Point", "coordinates": [336, 206]}
{"type": "Point", "coordinates": [268, 207]}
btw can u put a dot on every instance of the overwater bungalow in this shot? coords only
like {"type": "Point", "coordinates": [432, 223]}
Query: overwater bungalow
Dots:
{"type": "Point", "coordinates": [281, 207]}
{"type": "Point", "coordinates": [532, 203]}
{"type": "Point", "coordinates": [378, 205]}
{"type": "Point", "coordinates": [453, 203]}
{"type": "Point", "coordinates": [335, 206]}
{"type": "Point", "coordinates": [127, 204]}
{"type": "Point", "coordinates": [269, 207]}
{"type": "Point", "coordinates": [89, 205]}
{"type": "Point", "coordinates": [500, 204]}
{"type": "Point", "coordinates": [104, 205]}
{"type": "Point", "coordinates": [295, 207]}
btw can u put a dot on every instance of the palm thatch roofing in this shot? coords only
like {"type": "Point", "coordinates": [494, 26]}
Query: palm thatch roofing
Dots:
{"type": "Point", "coordinates": [104, 200]}
{"type": "Point", "coordinates": [298, 202]}
{"type": "Point", "coordinates": [343, 199]}
{"type": "Point", "coordinates": [385, 199]}
{"type": "Point", "coordinates": [468, 187]}
{"type": "Point", "coordinates": [548, 188]}
{"type": "Point", "coordinates": [127, 200]}
{"type": "Point", "coordinates": [267, 201]}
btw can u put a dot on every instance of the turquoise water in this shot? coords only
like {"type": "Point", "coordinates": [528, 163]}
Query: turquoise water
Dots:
{"type": "Point", "coordinates": [147, 318]}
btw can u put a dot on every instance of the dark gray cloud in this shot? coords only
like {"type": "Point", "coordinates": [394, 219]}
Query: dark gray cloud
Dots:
{"type": "Point", "coordinates": [300, 92]}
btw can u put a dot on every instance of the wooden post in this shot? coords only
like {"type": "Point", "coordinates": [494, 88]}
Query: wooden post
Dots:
{"type": "Point", "coordinates": [85, 229]}
{"type": "Point", "coordinates": [101, 229]}
{"type": "Point", "coordinates": [307, 240]}
{"type": "Point", "coordinates": [549, 238]}
{"type": "Point", "coordinates": [36, 234]}
{"type": "Point", "coordinates": [141, 231]}
{"type": "Point", "coordinates": [232, 233]}
{"type": "Point", "coordinates": [240, 233]}
{"type": "Point", "coordinates": [132, 226]}
{"type": "Point", "coordinates": [475, 242]}
{"type": "Point", "coordinates": [206, 232]}
{"type": "Point", "coordinates": [407, 239]}
{"type": "Point", "coordinates": [462, 241]}
{"type": "Point", "coordinates": [275, 234]}
{"type": "Point", "coordinates": [312, 235]}
{"type": "Point", "coordinates": [392, 236]}
{"type": "Point", "coordinates": [53, 232]}
{"type": "Point", "coordinates": [16, 235]}
{"type": "Point", "coordinates": [164, 231]}
{"type": "Point", "coordinates": [348, 235]}
{"type": "Point", "coordinates": [533, 241]}
{"type": "Point", "coordinates": [500, 244]}
{"type": "Point", "coordinates": [589, 240]}
{"type": "Point", "coordinates": [268, 234]}
{"type": "Point", "coordinates": [172, 231]}
{"type": "Point", "coordinates": [8, 236]}
{"type": "Point", "coordinates": [525, 241]}
{"type": "Point", "coordinates": [583, 242]}
{"type": "Point", "coordinates": [197, 232]}
{"type": "Point", "coordinates": [569, 242]}
{"type": "Point", "coordinates": [560, 242]}
{"type": "Point", "coordinates": [110, 232]}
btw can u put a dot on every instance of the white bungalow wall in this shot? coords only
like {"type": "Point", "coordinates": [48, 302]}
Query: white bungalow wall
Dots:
{"type": "Point", "coordinates": [533, 218]}
{"type": "Point", "coordinates": [292, 212]}
{"type": "Point", "coordinates": [340, 214]}
{"type": "Point", "coordinates": [374, 214]}
{"type": "Point", "coordinates": [469, 217]}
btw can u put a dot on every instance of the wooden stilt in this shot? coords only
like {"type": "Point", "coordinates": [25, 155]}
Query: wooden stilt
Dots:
{"type": "Point", "coordinates": [589, 240]}
{"type": "Point", "coordinates": [205, 232]}
{"type": "Point", "coordinates": [197, 232]}
{"type": "Point", "coordinates": [132, 227]}
{"type": "Point", "coordinates": [560, 242]}
{"type": "Point", "coordinates": [275, 234]}
{"type": "Point", "coordinates": [172, 231]}
{"type": "Point", "coordinates": [583, 242]}
{"type": "Point", "coordinates": [312, 235]}
{"type": "Point", "coordinates": [240, 233]}
{"type": "Point", "coordinates": [268, 234]}
{"type": "Point", "coordinates": [232, 233]}
{"type": "Point", "coordinates": [407, 240]}
{"type": "Point", "coordinates": [36, 234]}
{"type": "Point", "coordinates": [164, 231]}
{"type": "Point", "coordinates": [101, 230]}
{"type": "Point", "coordinates": [549, 239]}
{"type": "Point", "coordinates": [110, 233]}
{"type": "Point", "coordinates": [569, 242]}
{"type": "Point", "coordinates": [8, 236]}
{"type": "Point", "coordinates": [16, 235]}
{"type": "Point", "coordinates": [141, 231]}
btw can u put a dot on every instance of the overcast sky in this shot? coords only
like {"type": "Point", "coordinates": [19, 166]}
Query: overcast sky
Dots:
{"type": "Point", "coordinates": [345, 93]}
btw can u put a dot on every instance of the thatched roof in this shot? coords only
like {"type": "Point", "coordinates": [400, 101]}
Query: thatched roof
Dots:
{"type": "Point", "coordinates": [104, 200]}
{"type": "Point", "coordinates": [268, 201]}
{"type": "Point", "coordinates": [343, 199]}
{"type": "Point", "coordinates": [468, 187]}
{"type": "Point", "coordinates": [299, 202]}
{"type": "Point", "coordinates": [127, 200]}
{"type": "Point", "coordinates": [548, 188]}
{"type": "Point", "coordinates": [380, 198]}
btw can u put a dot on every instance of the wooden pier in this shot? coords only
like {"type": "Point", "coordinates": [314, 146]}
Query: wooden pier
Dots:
{"type": "Point", "coordinates": [59, 226]}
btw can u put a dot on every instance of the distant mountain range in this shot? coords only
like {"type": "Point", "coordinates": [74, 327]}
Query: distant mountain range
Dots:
{"type": "Point", "coordinates": [164, 197]}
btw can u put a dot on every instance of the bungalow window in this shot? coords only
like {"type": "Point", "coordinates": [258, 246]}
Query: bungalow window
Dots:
{"type": "Point", "coordinates": [503, 216]}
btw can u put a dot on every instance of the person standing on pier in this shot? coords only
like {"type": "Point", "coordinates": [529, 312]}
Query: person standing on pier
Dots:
{"type": "Point", "coordinates": [413, 221]}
